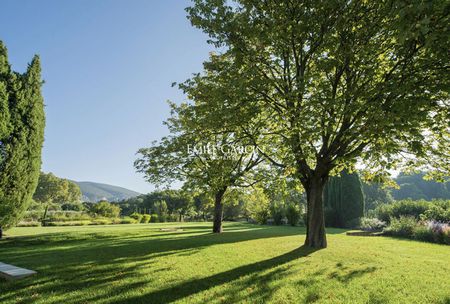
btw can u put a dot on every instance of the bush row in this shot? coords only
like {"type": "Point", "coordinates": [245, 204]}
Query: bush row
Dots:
{"type": "Point", "coordinates": [279, 214]}
{"type": "Point", "coordinates": [97, 221]}
{"type": "Point", "coordinates": [71, 218]}
{"type": "Point", "coordinates": [429, 231]}
{"type": "Point", "coordinates": [437, 210]}
{"type": "Point", "coordinates": [153, 218]}
{"type": "Point", "coordinates": [60, 216]}
{"type": "Point", "coordinates": [420, 220]}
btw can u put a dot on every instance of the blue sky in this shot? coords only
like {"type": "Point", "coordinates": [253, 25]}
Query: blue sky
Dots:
{"type": "Point", "coordinates": [108, 66]}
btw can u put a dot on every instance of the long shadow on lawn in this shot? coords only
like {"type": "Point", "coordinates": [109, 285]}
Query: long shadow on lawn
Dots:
{"type": "Point", "coordinates": [192, 287]}
{"type": "Point", "coordinates": [69, 263]}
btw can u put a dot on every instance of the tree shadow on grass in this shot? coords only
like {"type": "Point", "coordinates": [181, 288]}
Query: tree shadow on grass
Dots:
{"type": "Point", "coordinates": [23, 248]}
{"type": "Point", "coordinates": [192, 287]}
{"type": "Point", "coordinates": [68, 262]}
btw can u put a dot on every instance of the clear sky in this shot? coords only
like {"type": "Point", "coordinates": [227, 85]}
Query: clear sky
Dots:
{"type": "Point", "coordinates": [108, 66]}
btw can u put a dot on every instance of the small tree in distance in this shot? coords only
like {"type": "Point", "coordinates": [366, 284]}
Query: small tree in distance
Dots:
{"type": "Point", "coordinates": [106, 209]}
{"type": "Point", "coordinates": [194, 154]}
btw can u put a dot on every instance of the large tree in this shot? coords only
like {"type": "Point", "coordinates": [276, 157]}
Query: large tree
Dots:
{"type": "Point", "coordinates": [22, 121]}
{"type": "Point", "coordinates": [339, 83]}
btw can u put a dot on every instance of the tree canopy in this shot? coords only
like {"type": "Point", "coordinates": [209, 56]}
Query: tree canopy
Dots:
{"type": "Point", "coordinates": [57, 191]}
{"type": "Point", "coordinates": [200, 153]}
{"type": "Point", "coordinates": [337, 83]}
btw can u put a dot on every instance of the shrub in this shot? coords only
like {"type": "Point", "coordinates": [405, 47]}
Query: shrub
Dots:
{"type": "Point", "coordinates": [116, 221]}
{"type": "Point", "coordinates": [447, 237]}
{"type": "Point", "coordinates": [33, 216]}
{"type": "Point", "coordinates": [261, 216]}
{"type": "Point", "coordinates": [404, 226]}
{"type": "Point", "coordinates": [423, 233]}
{"type": "Point", "coordinates": [293, 214]}
{"type": "Point", "coordinates": [68, 223]}
{"type": "Point", "coordinates": [371, 224]}
{"type": "Point", "coordinates": [128, 220]}
{"type": "Point", "coordinates": [145, 218]}
{"type": "Point", "coordinates": [402, 208]}
{"type": "Point", "coordinates": [136, 216]}
{"type": "Point", "coordinates": [277, 213]}
{"type": "Point", "coordinates": [101, 222]}
{"type": "Point", "coordinates": [66, 216]}
{"type": "Point", "coordinates": [172, 218]}
{"type": "Point", "coordinates": [383, 213]}
{"type": "Point", "coordinates": [154, 218]}
{"type": "Point", "coordinates": [258, 206]}
{"type": "Point", "coordinates": [410, 208]}
{"type": "Point", "coordinates": [106, 209]}
{"type": "Point", "coordinates": [75, 206]}
{"type": "Point", "coordinates": [440, 231]}
{"type": "Point", "coordinates": [436, 212]}
{"type": "Point", "coordinates": [29, 224]}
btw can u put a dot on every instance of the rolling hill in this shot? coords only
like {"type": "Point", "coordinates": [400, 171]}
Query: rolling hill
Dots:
{"type": "Point", "coordinates": [94, 192]}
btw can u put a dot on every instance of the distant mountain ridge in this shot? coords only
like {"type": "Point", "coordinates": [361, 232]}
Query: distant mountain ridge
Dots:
{"type": "Point", "coordinates": [94, 192]}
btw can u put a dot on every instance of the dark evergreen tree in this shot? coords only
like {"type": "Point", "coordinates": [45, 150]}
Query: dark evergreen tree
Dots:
{"type": "Point", "coordinates": [343, 199]}
{"type": "Point", "coordinates": [22, 122]}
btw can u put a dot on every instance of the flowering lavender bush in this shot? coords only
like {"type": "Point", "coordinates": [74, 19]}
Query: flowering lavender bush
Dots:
{"type": "Point", "coordinates": [430, 231]}
{"type": "Point", "coordinates": [438, 227]}
{"type": "Point", "coordinates": [440, 231]}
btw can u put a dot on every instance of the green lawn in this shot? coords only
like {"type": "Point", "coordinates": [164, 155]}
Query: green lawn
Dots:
{"type": "Point", "coordinates": [247, 263]}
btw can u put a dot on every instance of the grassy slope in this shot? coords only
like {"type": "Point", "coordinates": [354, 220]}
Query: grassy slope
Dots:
{"type": "Point", "coordinates": [140, 264]}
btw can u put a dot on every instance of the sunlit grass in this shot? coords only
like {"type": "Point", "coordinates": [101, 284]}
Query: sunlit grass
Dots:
{"type": "Point", "coordinates": [247, 263]}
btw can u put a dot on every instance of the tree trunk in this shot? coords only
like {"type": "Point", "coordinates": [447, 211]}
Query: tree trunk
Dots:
{"type": "Point", "coordinates": [1, 233]}
{"type": "Point", "coordinates": [218, 211]}
{"type": "Point", "coordinates": [315, 226]}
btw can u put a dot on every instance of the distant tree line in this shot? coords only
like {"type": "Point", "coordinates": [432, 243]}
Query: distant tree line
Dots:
{"type": "Point", "coordinates": [279, 202]}
{"type": "Point", "coordinates": [415, 187]}
{"type": "Point", "coordinates": [346, 199]}
{"type": "Point", "coordinates": [410, 186]}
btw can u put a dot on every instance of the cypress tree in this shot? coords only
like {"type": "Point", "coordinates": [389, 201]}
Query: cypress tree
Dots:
{"type": "Point", "coordinates": [22, 122]}
{"type": "Point", "coordinates": [343, 200]}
